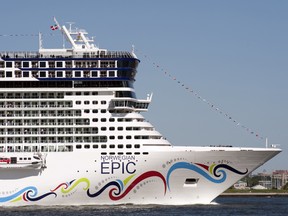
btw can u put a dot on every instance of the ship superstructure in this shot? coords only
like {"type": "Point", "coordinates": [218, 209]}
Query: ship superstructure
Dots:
{"type": "Point", "coordinates": [72, 133]}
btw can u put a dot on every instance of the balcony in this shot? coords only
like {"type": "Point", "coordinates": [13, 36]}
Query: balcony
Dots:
{"type": "Point", "coordinates": [129, 104]}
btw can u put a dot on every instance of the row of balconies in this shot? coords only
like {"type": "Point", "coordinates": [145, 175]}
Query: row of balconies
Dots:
{"type": "Point", "coordinates": [55, 139]}
{"type": "Point", "coordinates": [37, 122]}
{"type": "Point", "coordinates": [41, 113]}
{"type": "Point", "coordinates": [36, 148]}
{"type": "Point", "coordinates": [36, 131]}
{"type": "Point", "coordinates": [35, 104]}
{"type": "Point", "coordinates": [36, 95]}
{"type": "Point", "coordinates": [59, 64]}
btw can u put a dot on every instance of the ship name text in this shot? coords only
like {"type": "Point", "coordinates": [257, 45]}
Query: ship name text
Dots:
{"type": "Point", "coordinates": [120, 163]}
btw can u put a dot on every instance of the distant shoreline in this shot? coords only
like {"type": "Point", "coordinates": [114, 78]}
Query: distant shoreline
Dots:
{"type": "Point", "coordinates": [253, 194]}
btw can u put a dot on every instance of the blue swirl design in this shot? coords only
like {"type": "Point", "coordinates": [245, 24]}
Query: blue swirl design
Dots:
{"type": "Point", "coordinates": [113, 183]}
{"type": "Point", "coordinates": [185, 165]}
{"type": "Point", "coordinates": [28, 194]}
{"type": "Point", "coordinates": [17, 194]}
{"type": "Point", "coordinates": [121, 184]}
{"type": "Point", "coordinates": [220, 175]}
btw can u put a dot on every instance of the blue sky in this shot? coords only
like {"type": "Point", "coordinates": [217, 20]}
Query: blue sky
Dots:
{"type": "Point", "coordinates": [231, 53]}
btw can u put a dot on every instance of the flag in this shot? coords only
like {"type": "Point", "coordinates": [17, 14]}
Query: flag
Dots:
{"type": "Point", "coordinates": [54, 27]}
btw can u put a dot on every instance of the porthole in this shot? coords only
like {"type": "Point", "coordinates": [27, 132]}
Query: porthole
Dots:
{"type": "Point", "coordinates": [103, 128]}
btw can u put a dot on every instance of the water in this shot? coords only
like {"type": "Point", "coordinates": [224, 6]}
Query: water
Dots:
{"type": "Point", "coordinates": [275, 206]}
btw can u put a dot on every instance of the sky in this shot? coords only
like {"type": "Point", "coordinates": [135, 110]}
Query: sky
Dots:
{"type": "Point", "coordinates": [231, 54]}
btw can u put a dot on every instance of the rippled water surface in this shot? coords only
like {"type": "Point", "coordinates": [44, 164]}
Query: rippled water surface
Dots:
{"type": "Point", "coordinates": [222, 206]}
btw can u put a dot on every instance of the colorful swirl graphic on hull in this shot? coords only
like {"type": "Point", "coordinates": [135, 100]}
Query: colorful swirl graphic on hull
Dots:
{"type": "Point", "coordinates": [118, 189]}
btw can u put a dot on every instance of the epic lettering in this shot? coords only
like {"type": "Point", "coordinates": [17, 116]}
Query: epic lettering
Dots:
{"type": "Point", "coordinates": [111, 167]}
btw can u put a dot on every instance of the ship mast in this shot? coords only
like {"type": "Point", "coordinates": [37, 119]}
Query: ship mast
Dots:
{"type": "Point", "coordinates": [77, 38]}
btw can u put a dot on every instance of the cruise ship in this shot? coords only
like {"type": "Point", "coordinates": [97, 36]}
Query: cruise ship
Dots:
{"type": "Point", "coordinates": [72, 133]}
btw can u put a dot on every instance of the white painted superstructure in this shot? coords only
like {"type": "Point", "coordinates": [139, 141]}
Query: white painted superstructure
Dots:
{"type": "Point", "coordinates": [76, 110]}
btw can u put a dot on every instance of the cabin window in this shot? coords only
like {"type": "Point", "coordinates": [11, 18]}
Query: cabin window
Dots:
{"type": "Point", "coordinates": [8, 64]}
{"type": "Point", "coordinates": [59, 73]}
{"type": "Point", "coordinates": [42, 64]}
{"type": "Point", "coordinates": [77, 73]}
{"type": "Point", "coordinates": [111, 73]}
{"type": "Point", "coordinates": [25, 73]}
{"type": "Point", "coordinates": [103, 73]}
{"type": "Point", "coordinates": [42, 74]}
{"type": "Point", "coordinates": [59, 64]}
{"type": "Point", "coordinates": [94, 73]}
{"type": "Point", "coordinates": [25, 64]}
{"type": "Point", "coordinates": [8, 73]}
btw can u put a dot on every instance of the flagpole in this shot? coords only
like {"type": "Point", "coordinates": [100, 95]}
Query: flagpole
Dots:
{"type": "Point", "coordinates": [40, 40]}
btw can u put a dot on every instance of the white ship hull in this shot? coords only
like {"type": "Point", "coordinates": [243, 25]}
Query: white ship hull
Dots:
{"type": "Point", "coordinates": [172, 176]}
